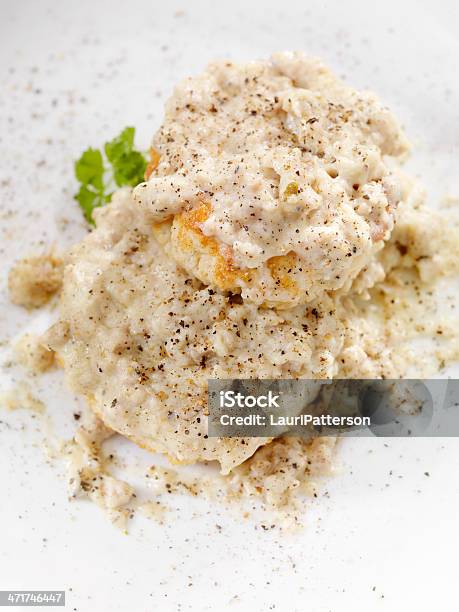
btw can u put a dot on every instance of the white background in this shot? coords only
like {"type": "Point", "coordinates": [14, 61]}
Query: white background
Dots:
{"type": "Point", "coordinates": [383, 534]}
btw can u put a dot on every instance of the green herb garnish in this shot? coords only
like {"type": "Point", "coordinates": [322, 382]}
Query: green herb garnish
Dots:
{"type": "Point", "coordinates": [99, 177]}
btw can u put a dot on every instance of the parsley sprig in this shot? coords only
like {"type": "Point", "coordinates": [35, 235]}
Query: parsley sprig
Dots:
{"type": "Point", "coordinates": [99, 175]}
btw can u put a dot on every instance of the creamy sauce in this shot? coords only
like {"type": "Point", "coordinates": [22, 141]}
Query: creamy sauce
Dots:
{"type": "Point", "coordinates": [290, 170]}
{"type": "Point", "coordinates": [150, 309]}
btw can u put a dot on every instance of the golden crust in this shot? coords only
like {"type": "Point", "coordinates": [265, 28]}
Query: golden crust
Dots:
{"type": "Point", "coordinates": [153, 163]}
{"type": "Point", "coordinates": [216, 261]}
{"type": "Point", "coordinates": [213, 263]}
{"type": "Point", "coordinates": [281, 267]}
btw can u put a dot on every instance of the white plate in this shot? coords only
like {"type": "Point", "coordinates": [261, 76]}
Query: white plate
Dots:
{"type": "Point", "coordinates": [384, 534]}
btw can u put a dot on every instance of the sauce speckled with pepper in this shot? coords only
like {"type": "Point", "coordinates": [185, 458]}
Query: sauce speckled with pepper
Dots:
{"type": "Point", "coordinates": [289, 170]}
